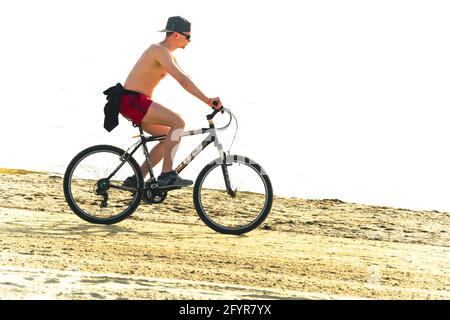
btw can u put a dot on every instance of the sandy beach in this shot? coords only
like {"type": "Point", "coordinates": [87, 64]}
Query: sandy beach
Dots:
{"type": "Point", "coordinates": [306, 249]}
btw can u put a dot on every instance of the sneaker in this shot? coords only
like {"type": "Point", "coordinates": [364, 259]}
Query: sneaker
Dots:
{"type": "Point", "coordinates": [172, 179]}
{"type": "Point", "coordinates": [130, 182]}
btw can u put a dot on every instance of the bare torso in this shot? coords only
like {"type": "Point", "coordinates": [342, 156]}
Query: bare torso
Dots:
{"type": "Point", "coordinates": [146, 74]}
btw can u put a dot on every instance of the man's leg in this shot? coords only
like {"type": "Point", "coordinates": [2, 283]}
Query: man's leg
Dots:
{"type": "Point", "coordinates": [160, 115]}
{"type": "Point", "coordinates": [157, 153]}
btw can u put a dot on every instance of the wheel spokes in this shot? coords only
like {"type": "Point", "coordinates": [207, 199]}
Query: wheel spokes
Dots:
{"type": "Point", "coordinates": [108, 198]}
{"type": "Point", "coordinates": [236, 209]}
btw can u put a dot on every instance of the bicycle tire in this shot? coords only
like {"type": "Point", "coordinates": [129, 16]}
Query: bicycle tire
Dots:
{"type": "Point", "coordinates": [200, 208]}
{"type": "Point", "coordinates": [73, 204]}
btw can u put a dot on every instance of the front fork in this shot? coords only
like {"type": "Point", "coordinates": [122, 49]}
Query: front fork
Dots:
{"type": "Point", "coordinates": [230, 190]}
{"type": "Point", "coordinates": [225, 166]}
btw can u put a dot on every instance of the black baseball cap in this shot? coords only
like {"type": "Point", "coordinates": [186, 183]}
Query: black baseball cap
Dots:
{"type": "Point", "coordinates": [177, 24]}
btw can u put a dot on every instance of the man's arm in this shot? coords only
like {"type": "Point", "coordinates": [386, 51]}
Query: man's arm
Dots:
{"type": "Point", "coordinates": [177, 64]}
{"type": "Point", "coordinates": [166, 60]}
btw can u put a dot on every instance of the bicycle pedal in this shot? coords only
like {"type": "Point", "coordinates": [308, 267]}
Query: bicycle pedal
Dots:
{"type": "Point", "coordinates": [169, 188]}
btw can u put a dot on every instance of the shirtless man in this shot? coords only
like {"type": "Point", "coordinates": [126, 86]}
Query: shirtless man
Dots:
{"type": "Point", "coordinates": [154, 64]}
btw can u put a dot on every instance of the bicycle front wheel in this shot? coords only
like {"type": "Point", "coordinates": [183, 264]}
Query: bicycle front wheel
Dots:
{"type": "Point", "coordinates": [233, 198]}
{"type": "Point", "coordinates": [94, 188]}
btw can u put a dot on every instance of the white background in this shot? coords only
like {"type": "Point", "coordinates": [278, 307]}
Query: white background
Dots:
{"type": "Point", "coordinates": [336, 99]}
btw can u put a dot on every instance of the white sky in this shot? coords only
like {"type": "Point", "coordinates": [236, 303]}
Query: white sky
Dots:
{"type": "Point", "coordinates": [343, 99]}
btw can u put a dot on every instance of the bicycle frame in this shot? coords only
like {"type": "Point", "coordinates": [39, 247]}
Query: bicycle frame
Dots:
{"type": "Point", "coordinates": [212, 137]}
{"type": "Point", "coordinates": [89, 182]}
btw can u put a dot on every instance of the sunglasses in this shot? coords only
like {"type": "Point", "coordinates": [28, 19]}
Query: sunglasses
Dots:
{"type": "Point", "coordinates": [187, 36]}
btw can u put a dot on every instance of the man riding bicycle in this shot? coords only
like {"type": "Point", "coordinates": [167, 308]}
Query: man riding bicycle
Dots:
{"type": "Point", "coordinates": [136, 102]}
{"type": "Point", "coordinates": [232, 195]}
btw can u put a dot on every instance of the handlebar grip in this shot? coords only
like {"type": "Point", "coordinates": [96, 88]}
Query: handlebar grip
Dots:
{"type": "Point", "coordinates": [216, 103]}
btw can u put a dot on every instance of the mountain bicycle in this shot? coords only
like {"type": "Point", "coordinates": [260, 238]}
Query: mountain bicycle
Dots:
{"type": "Point", "coordinates": [232, 194]}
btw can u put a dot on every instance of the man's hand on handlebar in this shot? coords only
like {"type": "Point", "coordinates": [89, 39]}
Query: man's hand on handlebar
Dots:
{"type": "Point", "coordinates": [215, 103]}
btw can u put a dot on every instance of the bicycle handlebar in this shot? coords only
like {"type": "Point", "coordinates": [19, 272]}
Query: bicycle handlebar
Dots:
{"type": "Point", "coordinates": [212, 115]}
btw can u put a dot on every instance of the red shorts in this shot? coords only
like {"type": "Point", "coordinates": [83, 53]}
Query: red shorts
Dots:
{"type": "Point", "coordinates": [134, 107]}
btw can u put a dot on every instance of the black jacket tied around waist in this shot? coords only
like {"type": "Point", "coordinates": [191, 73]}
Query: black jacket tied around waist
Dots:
{"type": "Point", "coordinates": [113, 95]}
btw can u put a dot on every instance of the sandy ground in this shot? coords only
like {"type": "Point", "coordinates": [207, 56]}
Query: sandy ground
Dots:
{"type": "Point", "coordinates": [306, 249]}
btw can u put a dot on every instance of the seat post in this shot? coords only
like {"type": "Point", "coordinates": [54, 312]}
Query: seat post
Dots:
{"type": "Point", "coordinates": [147, 157]}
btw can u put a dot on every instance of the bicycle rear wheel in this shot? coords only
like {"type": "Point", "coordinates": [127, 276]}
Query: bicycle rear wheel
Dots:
{"type": "Point", "coordinates": [237, 204]}
{"type": "Point", "coordinates": [95, 196]}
